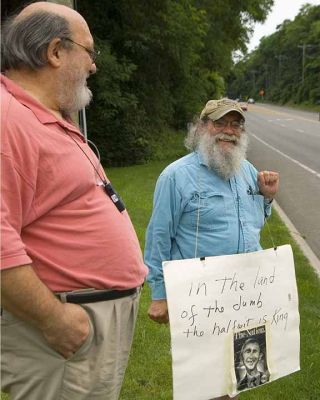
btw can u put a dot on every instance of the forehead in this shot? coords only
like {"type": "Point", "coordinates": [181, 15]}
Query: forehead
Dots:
{"type": "Point", "coordinates": [251, 346]}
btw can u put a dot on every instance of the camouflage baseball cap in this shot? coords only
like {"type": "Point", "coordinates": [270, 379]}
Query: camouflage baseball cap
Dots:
{"type": "Point", "coordinates": [216, 109]}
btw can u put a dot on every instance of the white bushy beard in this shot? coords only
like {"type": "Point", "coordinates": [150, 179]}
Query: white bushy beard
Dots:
{"type": "Point", "coordinates": [225, 162]}
{"type": "Point", "coordinates": [74, 93]}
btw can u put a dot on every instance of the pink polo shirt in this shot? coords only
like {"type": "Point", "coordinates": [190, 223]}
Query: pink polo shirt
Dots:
{"type": "Point", "coordinates": [54, 213]}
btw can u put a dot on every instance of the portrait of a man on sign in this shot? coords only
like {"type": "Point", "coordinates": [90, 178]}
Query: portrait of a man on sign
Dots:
{"type": "Point", "coordinates": [250, 358]}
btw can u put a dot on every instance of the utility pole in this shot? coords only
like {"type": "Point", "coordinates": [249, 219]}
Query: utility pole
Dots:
{"type": "Point", "coordinates": [253, 72]}
{"type": "Point", "coordinates": [280, 57]}
{"type": "Point", "coordinates": [266, 76]}
{"type": "Point", "coordinates": [68, 3]}
{"type": "Point", "coordinates": [305, 46]}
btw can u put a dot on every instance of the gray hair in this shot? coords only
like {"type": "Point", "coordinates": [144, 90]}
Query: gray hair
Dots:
{"type": "Point", "coordinates": [191, 141]}
{"type": "Point", "coordinates": [25, 40]}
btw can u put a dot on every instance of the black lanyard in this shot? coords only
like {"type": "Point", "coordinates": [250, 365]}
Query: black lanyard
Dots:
{"type": "Point", "coordinates": [111, 193]}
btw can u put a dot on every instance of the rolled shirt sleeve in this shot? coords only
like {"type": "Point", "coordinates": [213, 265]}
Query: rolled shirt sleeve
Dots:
{"type": "Point", "coordinates": [16, 198]}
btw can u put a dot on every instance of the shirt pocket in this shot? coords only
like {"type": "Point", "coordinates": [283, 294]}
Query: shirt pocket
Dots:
{"type": "Point", "coordinates": [254, 211]}
{"type": "Point", "coordinates": [207, 210]}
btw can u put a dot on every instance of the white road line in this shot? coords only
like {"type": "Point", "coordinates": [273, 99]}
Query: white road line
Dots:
{"type": "Point", "coordinates": [300, 130]}
{"type": "Point", "coordinates": [283, 126]}
{"type": "Point", "coordinates": [313, 259]}
{"type": "Point", "coordinates": [317, 174]}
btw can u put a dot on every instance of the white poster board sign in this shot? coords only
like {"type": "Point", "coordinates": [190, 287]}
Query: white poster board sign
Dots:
{"type": "Point", "coordinates": [221, 307]}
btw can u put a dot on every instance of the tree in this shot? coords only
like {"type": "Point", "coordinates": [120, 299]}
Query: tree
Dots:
{"type": "Point", "coordinates": [161, 61]}
{"type": "Point", "coordinates": [287, 62]}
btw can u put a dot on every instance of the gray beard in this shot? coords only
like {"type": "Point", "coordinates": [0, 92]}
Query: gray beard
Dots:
{"type": "Point", "coordinates": [226, 163]}
{"type": "Point", "coordinates": [73, 97]}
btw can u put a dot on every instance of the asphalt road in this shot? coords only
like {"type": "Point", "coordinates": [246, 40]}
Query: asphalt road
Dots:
{"type": "Point", "coordinates": [288, 141]}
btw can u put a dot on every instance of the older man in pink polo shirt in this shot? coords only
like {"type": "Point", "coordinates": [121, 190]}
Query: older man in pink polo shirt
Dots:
{"type": "Point", "coordinates": [71, 262]}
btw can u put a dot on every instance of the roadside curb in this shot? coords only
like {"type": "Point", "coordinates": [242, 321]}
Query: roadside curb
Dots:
{"type": "Point", "coordinates": [313, 259]}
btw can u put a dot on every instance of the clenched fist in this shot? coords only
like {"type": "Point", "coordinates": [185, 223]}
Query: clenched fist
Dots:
{"type": "Point", "coordinates": [268, 182]}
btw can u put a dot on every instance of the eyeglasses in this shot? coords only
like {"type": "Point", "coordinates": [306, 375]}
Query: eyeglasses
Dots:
{"type": "Point", "coordinates": [234, 125]}
{"type": "Point", "coordinates": [93, 54]}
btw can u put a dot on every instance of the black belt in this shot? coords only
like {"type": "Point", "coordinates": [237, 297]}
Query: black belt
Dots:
{"type": "Point", "coordinates": [94, 296]}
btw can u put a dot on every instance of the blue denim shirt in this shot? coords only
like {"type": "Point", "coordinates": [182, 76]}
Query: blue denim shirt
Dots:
{"type": "Point", "coordinates": [197, 214]}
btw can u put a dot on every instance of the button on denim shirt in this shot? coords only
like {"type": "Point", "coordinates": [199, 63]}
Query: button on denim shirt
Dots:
{"type": "Point", "coordinates": [196, 213]}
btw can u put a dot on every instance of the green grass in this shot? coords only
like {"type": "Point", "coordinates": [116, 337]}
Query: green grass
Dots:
{"type": "Point", "coordinates": [149, 373]}
{"type": "Point", "coordinates": [304, 106]}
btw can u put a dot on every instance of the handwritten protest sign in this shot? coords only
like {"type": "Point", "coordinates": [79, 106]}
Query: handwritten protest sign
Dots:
{"type": "Point", "coordinates": [222, 308]}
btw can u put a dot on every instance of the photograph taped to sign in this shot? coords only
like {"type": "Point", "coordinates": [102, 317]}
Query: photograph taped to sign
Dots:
{"type": "Point", "coordinates": [250, 358]}
{"type": "Point", "coordinates": [210, 300]}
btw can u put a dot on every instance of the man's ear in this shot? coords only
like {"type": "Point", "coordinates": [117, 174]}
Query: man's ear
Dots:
{"type": "Point", "coordinates": [55, 52]}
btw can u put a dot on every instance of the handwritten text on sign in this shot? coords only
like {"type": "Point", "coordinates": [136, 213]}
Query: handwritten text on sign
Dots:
{"type": "Point", "coordinates": [231, 285]}
{"type": "Point", "coordinates": [208, 300]}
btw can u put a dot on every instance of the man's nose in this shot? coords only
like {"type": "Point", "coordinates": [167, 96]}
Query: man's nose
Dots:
{"type": "Point", "coordinates": [93, 69]}
{"type": "Point", "coordinates": [228, 129]}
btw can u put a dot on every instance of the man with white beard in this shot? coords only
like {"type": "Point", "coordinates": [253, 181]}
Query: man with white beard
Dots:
{"type": "Point", "coordinates": [211, 202]}
{"type": "Point", "coordinates": [71, 265]}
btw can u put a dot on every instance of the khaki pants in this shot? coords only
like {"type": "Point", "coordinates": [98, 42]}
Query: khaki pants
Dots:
{"type": "Point", "coordinates": [31, 370]}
